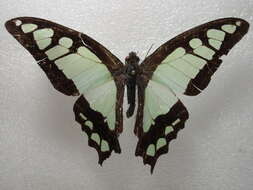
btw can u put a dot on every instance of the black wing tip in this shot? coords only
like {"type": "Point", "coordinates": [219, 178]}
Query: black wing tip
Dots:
{"type": "Point", "coordinates": [13, 24]}
{"type": "Point", "coordinates": [244, 24]}
{"type": "Point", "coordinates": [12, 21]}
{"type": "Point", "coordinates": [9, 25]}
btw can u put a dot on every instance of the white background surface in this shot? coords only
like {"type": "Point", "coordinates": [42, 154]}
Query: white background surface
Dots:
{"type": "Point", "coordinates": [43, 148]}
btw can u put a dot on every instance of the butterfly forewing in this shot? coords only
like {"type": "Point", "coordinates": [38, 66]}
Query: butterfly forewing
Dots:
{"type": "Point", "coordinates": [184, 65]}
{"type": "Point", "coordinates": [76, 64]}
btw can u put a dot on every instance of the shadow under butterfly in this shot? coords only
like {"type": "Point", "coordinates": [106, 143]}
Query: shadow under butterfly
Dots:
{"type": "Point", "coordinates": [78, 65]}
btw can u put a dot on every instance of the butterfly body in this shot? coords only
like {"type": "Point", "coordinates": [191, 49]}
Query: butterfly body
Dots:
{"type": "Point", "coordinates": [78, 65]}
{"type": "Point", "coordinates": [132, 71]}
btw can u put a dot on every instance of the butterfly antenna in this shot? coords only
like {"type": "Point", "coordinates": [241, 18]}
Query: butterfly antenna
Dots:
{"type": "Point", "coordinates": [149, 50]}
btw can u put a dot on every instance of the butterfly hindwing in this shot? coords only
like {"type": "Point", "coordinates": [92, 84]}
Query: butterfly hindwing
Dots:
{"type": "Point", "coordinates": [76, 64]}
{"type": "Point", "coordinates": [156, 134]}
{"type": "Point", "coordinates": [184, 65]}
{"type": "Point", "coordinates": [94, 125]}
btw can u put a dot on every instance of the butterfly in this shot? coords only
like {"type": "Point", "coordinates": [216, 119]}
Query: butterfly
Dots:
{"type": "Point", "coordinates": [77, 65]}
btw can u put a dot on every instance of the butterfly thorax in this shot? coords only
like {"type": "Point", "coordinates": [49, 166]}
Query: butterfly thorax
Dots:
{"type": "Point", "coordinates": [131, 71]}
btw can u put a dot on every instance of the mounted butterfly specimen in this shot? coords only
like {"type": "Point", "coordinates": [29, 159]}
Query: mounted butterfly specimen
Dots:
{"type": "Point", "coordinates": [77, 65]}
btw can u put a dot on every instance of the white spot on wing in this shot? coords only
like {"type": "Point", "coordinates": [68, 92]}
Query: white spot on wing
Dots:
{"type": "Point", "coordinates": [238, 23]}
{"type": "Point", "coordinates": [18, 22]}
{"type": "Point", "coordinates": [176, 122]}
{"type": "Point", "coordinates": [83, 116]}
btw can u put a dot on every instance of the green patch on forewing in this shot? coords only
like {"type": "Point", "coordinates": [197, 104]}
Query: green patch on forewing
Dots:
{"type": "Point", "coordinates": [26, 28]}
{"type": "Point", "coordinates": [194, 60]}
{"type": "Point", "coordinates": [229, 28]}
{"type": "Point", "coordinates": [151, 150]}
{"type": "Point", "coordinates": [215, 43]}
{"type": "Point", "coordinates": [195, 42]}
{"type": "Point", "coordinates": [216, 34]}
{"type": "Point", "coordinates": [66, 42]}
{"type": "Point", "coordinates": [161, 142]}
{"type": "Point", "coordinates": [104, 146]}
{"type": "Point", "coordinates": [164, 79]}
{"type": "Point", "coordinates": [95, 137]}
{"type": "Point", "coordinates": [204, 52]}
{"type": "Point", "coordinates": [177, 53]}
{"type": "Point", "coordinates": [85, 52]}
{"type": "Point", "coordinates": [43, 33]}
{"type": "Point", "coordinates": [93, 76]}
{"type": "Point", "coordinates": [67, 60]}
{"type": "Point", "coordinates": [184, 67]}
{"type": "Point", "coordinates": [173, 74]}
{"type": "Point", "coordinates": [43, 44]}
{"type": "Point", "coordinates": [56, 51]}
{"type": "Point", "coordinates": [79, 67]}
